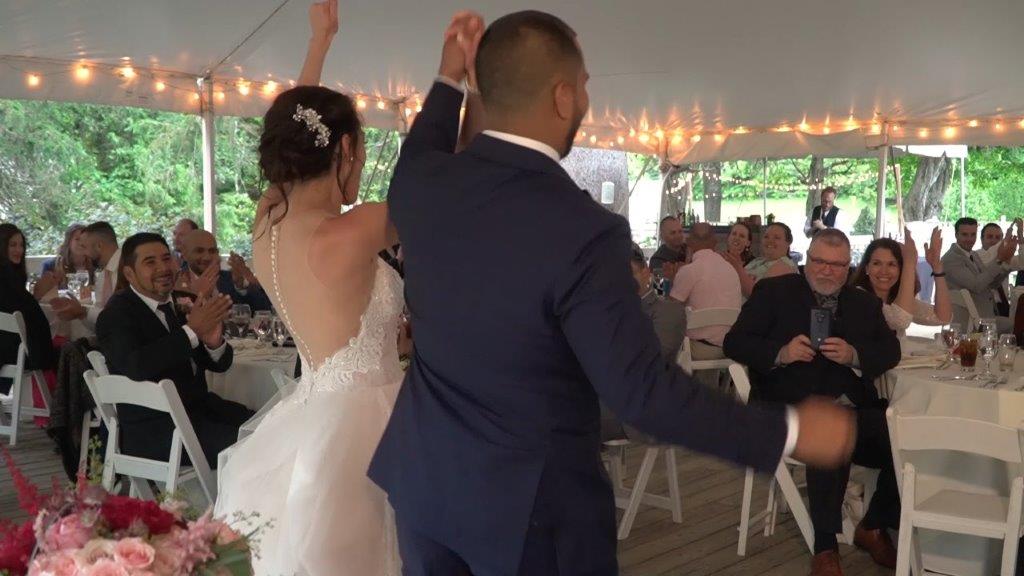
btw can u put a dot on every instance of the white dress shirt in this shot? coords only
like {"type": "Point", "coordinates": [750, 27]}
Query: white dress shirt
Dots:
{"type": "Point", "coordinates": [215, 353]}
{"type": "Point", "coordinates": [525, 142]}
{"type": "Point", "coordinates": [93, 312]}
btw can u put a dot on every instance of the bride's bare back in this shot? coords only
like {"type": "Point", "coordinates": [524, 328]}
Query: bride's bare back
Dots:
{"type": "Point", "coordinates": [318, 269]}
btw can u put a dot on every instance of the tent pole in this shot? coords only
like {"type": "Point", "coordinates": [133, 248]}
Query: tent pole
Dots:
{"type": "Point", "coordinates": [764, 192]}
{"type": "Point", "coordinates": [963, 188]}
{"type": "Point", "coordinates": [883, 165]}
{"type": "Point", "coordinates": [209, 173]}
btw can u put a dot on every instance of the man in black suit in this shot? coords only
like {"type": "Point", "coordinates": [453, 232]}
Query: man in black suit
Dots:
{"type": "Point", "coordinates": [771, 337]}
{"type": "Point", "coordinates": [144, 337]}
{"type": "Point", "coordinates": [491, 456]}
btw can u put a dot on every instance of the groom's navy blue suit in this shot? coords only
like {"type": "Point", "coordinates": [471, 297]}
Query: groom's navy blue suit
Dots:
{"type": "Point", "coordinates": [525, 312]}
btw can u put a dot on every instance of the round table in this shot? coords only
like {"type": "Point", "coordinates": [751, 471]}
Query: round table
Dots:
{"type": "Point", "coordinates": [249, 379]}
{"type": "Point", "coordinates": [931, 392]}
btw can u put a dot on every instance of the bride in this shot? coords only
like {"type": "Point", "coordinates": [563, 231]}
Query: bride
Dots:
{"type": "Point", "coordinates": [304, 467]}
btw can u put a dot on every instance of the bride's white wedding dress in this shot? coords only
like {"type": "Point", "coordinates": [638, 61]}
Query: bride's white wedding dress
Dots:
{"type": "Point", "coordinates": [304, 467]}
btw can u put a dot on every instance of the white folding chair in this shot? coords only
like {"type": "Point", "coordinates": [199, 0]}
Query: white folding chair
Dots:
{"type": "Point", "coordinates": [91, 419]}
{"type": "Point", "coordinates": [703, 319]}
{"type": "Point", "coordinates": [108, 391]}
{"type": "Point", "coordinates": [972, 309]}
{"type": "Point", "coordinates": [11, 404]}
{"type": "Point", "coordinates": [958, 510]}
{"type": "Point", "coordinates": [630, 499]}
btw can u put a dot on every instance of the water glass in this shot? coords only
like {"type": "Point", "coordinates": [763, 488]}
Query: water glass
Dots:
{"type": "Point", "coordinates": [280, 331]}
{"type": "Point", "coordinates": [262, 324]}
{"type": "Point", "coordinates": [951, 338]}
{"type": "Point", "coordinates": [1007, 352]}
{"type": "Point", "coordinates": [74, 285]}
{"type": "Point", "coordinates": [239, 319]}
{"type": "Point", "coordinates": [987, 345]}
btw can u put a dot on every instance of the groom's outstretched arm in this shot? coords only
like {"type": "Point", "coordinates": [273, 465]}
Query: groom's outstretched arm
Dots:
{"type": "Point", "coordinates": [436, 128]}
{"type": "Point", "coordinates": [615, 344]}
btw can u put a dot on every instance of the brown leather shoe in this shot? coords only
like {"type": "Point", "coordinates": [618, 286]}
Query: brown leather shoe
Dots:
{"type": "Point", "coordinates": [876, 543]}
{"type": "Point", "coordinates": [826, 564]}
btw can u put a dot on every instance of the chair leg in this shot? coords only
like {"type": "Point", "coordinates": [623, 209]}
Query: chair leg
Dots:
{"type": "Point", "coordinates": [772, 510]}
{"type": "Point", "coordinates": [673, 485]}
{"type": "Point", "coordinates": [44, 391]}
{"type": "Point", "coordinates": [83, 451]}
{"type": "Point", "coordinates": [639, 487]}
{"type": "Point", "coordinates": [748, 494]}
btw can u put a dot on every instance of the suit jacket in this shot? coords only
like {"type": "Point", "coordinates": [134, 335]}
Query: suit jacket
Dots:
{"type": "Point", "coordinates": [778, 310]}
{"type": "Point", "coordinates": [965, 270]}
{"type": "Point", "coordinates": [499, 409]}
{"type": "Point", "coordinates": [137, 345]}
{"type": "Point", "coordinates": [14, 298]}
{"type": "Point", "coordinates": [665, 254]}
{"type": "Point", "coordinates": [255, 296]}
{"type": "Point", "coordinates": [669, 319]}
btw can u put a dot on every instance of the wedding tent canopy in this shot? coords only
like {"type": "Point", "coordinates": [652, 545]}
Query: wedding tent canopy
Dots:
{"type": "Point", "coordinates": [692, 80]}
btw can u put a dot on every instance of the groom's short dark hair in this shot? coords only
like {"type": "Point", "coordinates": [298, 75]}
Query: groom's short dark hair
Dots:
{"type": "Point", "coordinates": [518, 55]}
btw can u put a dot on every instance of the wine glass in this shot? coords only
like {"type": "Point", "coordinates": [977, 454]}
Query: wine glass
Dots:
{"type": "Point", "coordinates": [262, 324]}
{"type": "Point", "coordinates": [240, 316]}
{"type": "Point", "coordinates": [951, 338]}
{"type": "Point", "coordinates": [987, 345]}
{"type": "Point", "coordinates": [1007, 352]}
{"type": "Point", "coordinates": [280, 331]}
{"type": "Point", "coordinates": [84, 282]}
{"type": "Point", "coordinates": [74, 285]}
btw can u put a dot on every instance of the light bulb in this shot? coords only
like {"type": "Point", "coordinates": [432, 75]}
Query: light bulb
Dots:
{"type": "Point", "coordinates": [973, 123]}
{"type": "Point", "coordinates": [33, 80]}
{"type": "Point", "coordinates": [243, 88]}
{"type": "Point", "coordinates": [82, 73]}
{"type": "Point", "coordinates": [269, 88]}
{"type": "Point", "coordinates": [159, 86]}
{"type": "Point", "coordinates": [127, 72]}
{"type": "Point", "coordinates": [381, 105]}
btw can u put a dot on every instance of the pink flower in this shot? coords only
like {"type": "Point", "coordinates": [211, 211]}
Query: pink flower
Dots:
{"type": "Point", "coordinates": [106, 567]}
{"type": "Point", "coordinates": [134, 553]}
{"type": "Point", "coordinates": [67, 533]}
{"type": "Point", "coordinates": [169, 552]}
{"type": "Point", "coordinates": [95, 551]}
{"type": "Point", "coordinates": [59, 564]}
{"type": "Point", "coordinates": [226, 534]}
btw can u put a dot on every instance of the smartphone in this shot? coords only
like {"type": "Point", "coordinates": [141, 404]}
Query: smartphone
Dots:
{"type": "Point", "coordinates": [821, 326]}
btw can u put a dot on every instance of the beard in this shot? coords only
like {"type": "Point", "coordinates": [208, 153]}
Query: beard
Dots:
{"type": "Point", "coordinates": [571, 136]}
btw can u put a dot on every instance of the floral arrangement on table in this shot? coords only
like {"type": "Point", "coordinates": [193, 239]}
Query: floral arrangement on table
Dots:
{"type": "Point", "coordinates": [82, 530]}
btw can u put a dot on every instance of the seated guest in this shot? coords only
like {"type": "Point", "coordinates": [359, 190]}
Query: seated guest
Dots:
{"type": "Point", "coordinates": [979, 276]}
{"type": "Point", "coordinates": [144, 337]}
{"type": "Point", "coordinates": [672, 252]}
{"type": "Point", "coordinates": [888, 270]}
{"type": "Point", "coordinates": [707, 282]}
{"type": "Point", "coordinates": [182, 229]}
{"type": "Point", "coordinates": [203, 273]}
{"type": "Point", "coordinates": [668, 316]}
{"type": "Point", "coordinates": [15, 298]}
{"type": "Point", "coordinates": [737, 245]}
{"type": "Point", "coordinates": [771, 337]}
{"type": "Point", "coordinates": [12, 252]}
{"type": "Point", "coordinates": [72, 256]}
{"type": "Point", "coordinates": [773, 261]}
{"type": "Point", "coordinates": [100, 242]}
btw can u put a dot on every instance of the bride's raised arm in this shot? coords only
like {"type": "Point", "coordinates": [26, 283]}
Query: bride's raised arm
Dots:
{"type": "Point", "coordinates": [323, 25]}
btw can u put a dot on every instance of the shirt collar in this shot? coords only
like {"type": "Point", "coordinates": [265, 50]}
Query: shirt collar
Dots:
{"type": "Point", "coordinates": [525, 142]}
{"type": "Point", "coordinates": [115, 259]}
{"type": "Point", "coordinates": [149, 301]}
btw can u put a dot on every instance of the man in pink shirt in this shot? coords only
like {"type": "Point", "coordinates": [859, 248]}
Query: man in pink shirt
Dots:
{"type": "Point", "coordinates": [709, 281]}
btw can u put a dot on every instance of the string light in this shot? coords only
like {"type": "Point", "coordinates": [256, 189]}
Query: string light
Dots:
{"type": "Point", "coordinates": [419, 108]}
{"type": "Point", "coordinates": [660, 134]}
{"type": "Point", "coordinates": [408, 112]}
{"type": "Point", "coordinates": [243, 88]}
{"type": "Point", "coordinates": [127, 72]}
{"type": "Point", "coordinates": [973, 123]}
{"type": "Point", "coordinates": [804, 126]}
{"type": "Point", "coordinates": [741, 130]}
{"type": "Point", "coordinates": [719, 138]}
{"type": "Point", "coordinates": [219, 95]}
{"type": "Point", "coordinates": [922, 133]}
{"type": "Point", "coordinates": [1021, 124]}
{"type": "Point", "coordinates": [876, 128]}
{"type": "Point", "coordinates": [33, 80]}
{"type": "Point", "coordinates": [621, 140]}
{"type": "Point", "coordinates": [826, 129]}
{"type": "Point", "coordinates": [381, 105]}
{"type": "Point", "coordinates": [949, 132]}
{"type": "Point", "coordinates": [644, 138]}
{"type": "Point", "coordinates": [159, 86]}
{"type": "Point", "coordinates": [783, 128]}
{"type": "Point", "coordinates": [677, 139]}
{"type": "Point", "coordinates": [269, 88]}
{"type": "Point", "coordinates": [593, 139]}
{"type": "Point", "coordinates": [82, 73]}
{"type": "Point", "coordinates": [851, 124]}
{"type": "Point", "coordinates": [695, 138]}
{"type": "Point", "coordinates": [999, 126]}
{"type": "Point", "coordinates": [195, 96]}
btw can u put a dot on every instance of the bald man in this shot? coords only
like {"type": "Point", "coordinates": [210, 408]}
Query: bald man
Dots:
{"type": "Point", "coordinates": [201, 253]}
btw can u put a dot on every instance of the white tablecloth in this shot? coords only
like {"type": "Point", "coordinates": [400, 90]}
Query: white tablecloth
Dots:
{"type": "Point", "coordinates": [248, 381]}
{"type": "Point", "coordinates": [72, 330]}
{"type": "Point", "coordinates": [918, 392]}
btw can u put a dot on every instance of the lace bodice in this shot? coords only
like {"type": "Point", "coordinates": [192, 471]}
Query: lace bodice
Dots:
{"type": "Point", "coordinates": [370, 358]}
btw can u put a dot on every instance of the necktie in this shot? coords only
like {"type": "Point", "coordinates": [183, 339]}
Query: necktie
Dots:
{"type": "Point", "coordinates": [830, 303]}
{"type": "Point", "coordinates": [172, 318]}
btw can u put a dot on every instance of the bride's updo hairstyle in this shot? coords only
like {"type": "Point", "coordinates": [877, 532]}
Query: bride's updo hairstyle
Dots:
{"type": "Point", "coordinates": [294, 150]}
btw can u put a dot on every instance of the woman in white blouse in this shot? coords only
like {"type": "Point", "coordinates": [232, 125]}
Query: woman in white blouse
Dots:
{"type": "Point", "coordinates": [889, 271]}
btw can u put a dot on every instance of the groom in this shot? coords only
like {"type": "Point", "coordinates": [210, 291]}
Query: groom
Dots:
{"type": "Point", "coordinates": [491, 458]}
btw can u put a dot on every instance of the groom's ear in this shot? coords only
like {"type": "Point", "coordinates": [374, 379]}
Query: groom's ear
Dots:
{"type": "Point", "coordinates": [565, 100]}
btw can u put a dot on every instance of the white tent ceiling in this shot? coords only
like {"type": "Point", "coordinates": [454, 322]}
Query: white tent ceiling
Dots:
{"type": "Point", "coordinates": [665, 72]}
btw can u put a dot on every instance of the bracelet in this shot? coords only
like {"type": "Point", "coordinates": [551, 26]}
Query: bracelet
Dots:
{"type": "Point", "coordinates": [939, 275]}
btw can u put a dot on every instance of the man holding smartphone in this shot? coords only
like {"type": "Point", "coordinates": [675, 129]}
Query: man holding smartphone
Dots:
{"type": "Point", "coordinates": [814, 335]}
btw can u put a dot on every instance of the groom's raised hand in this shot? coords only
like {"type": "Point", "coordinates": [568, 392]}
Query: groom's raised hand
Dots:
{"type": "Point", "coordinates": [827, 434]}
{"type": "Point", "coordinates": [460, 42]}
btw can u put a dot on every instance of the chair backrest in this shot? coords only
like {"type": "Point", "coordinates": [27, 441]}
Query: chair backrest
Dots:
{"type": "Point", "coordinates": [711, 317]}
{"type": "Point", "coordinates": [110, 390]}
{"type": "Point", "coordinates": [740, 380]}
{"type": "Point", "coordinates": [972, 308]}
{"type": "Point", "coordinates": [98, 362]}
{"type": "Point", "coordinates": [950, 433]}
{"type": "Point", "coordinates": [14, 323]}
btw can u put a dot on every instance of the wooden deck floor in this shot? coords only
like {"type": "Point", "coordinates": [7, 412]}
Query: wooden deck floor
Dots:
{"type": "Point", "coordinates": [704, 543]}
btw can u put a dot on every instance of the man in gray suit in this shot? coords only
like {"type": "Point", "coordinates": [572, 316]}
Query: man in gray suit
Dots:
{"type": "Point", "coordinates": [965, 270]}
{"type": "Point", "coordinates": [668, 315]}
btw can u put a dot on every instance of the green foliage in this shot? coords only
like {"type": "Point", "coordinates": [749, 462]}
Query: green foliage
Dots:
{"type": "Point", "coordinates": [865, 223]}
{"type": "Point", "coordinates": [139, 169]}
